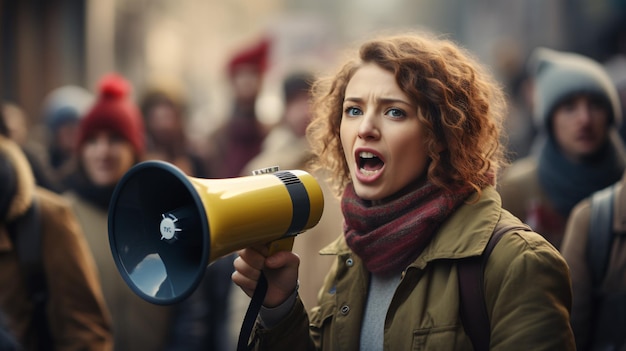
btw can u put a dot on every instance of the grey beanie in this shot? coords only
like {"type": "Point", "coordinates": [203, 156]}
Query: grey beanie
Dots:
{"type": "Point", "coordinates": [65, 104]}
{"type": "Point", "coordinates": [559, 75]}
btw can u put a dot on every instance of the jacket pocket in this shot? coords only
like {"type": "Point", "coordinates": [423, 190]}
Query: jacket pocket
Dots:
{"type": "Point", "coordinates": [437, 338]}
{"type": "Point", "coordinates": [320, 321]}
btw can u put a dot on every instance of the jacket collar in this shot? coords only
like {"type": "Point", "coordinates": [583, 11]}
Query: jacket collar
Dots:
{"type": "Point", "coordinates": [464, 234]}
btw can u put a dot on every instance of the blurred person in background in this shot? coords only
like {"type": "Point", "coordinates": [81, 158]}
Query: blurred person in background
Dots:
{"type": "Point", "coordinates": [594, 247]}
{"type": "Point", "coordinates": [62, 109]}
{"type": "Point", "coordinates": [16, 122]}
{"type": "Point", "coordinates": [110, 140]}
{"type": "Point", "coordinates": [579, 151]}
{"type": "Point", "coordinates": [519, 124]}
{"type": "Point", "coordinates": [165, 116]}
{"type": "Point", "coordinates": [232, 145]}
{"type": "Point", "coordinates": [201, 321]}
{"type": "Point", "coordinates": [286, 146]}
{"type": "Point", "coordinates": [239, 139]}
{"type": "Point", "coordinates": [519, 127]}
{"type": "Point", "coordinates": [51, 296]}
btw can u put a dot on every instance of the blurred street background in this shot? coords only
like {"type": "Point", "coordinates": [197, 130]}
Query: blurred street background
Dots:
{"type": "Point", "coordinates": [49, 43]}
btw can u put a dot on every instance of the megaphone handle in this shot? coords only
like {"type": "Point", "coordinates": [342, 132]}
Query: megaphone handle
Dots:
{"type": "Point", "coordinates": [285, 244]}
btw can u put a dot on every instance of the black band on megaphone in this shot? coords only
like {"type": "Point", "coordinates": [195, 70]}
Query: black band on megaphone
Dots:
{"type": "Point", "coordinates": [299, 201]}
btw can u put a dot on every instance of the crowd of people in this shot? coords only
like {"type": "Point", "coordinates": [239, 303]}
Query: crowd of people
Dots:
{"type": "Point", "coordinates": [407, 141]}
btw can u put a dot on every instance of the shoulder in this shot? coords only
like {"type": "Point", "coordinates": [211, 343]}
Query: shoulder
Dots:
{"type": "Point", "coordinates": [524, 255]}
{"type": "Point", "coordinates": [520, 171]}
{"type": "Point", "coordinates": [528, 293]}
{"type": "Point", "coordinates": [57, 215]}
{"type": "Point", "coordinates": [52, 203]}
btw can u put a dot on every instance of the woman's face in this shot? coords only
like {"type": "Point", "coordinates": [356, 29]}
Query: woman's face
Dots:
{"type": "Point", "coordinates": [382, 137]}
{"type": "Point", "coordinates": [106, 157]}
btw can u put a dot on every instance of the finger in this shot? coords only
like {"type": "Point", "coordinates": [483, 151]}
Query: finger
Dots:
{"type": "Point", "coordinates": [248, 286]}
{"type": "Point", "coordinates": [252, 257]}
{"type": "Point", "coordinates": [247, 270]}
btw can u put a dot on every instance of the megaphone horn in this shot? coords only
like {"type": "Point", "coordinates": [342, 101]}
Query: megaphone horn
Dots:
{"type": "Point", "coordinates": [166, 227]}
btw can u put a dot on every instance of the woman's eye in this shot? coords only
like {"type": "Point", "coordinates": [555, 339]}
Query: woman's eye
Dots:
{"type": "Point", "coordinates": [353, 111]}
{"type": "Point", "coordinates": [396, 113]}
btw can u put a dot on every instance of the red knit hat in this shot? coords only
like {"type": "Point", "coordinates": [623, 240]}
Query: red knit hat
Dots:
{"type": "Point", "coordinates": [256, 55]}
{"type": "Point", "coordinates": [113, 111]}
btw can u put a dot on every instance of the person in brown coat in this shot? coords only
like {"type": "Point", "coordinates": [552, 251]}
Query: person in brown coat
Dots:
{"type": "Point", "coordinates": [589, 290]}
{"type": "Point", "coordinates": [75, 312]}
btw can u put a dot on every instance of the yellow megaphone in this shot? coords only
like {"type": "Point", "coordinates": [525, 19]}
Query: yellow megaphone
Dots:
{"type": "Point", "coordinates": [166, 227]}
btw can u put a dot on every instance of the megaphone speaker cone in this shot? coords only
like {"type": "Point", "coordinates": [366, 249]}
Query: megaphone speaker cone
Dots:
{"type": "Point", "coordinates": [158, 232]}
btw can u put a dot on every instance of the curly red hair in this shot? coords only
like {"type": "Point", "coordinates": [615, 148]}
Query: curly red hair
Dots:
{"type": "Point", "coordinates": [460, 104]}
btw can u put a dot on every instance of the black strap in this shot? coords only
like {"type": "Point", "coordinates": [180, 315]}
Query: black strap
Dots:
{"type": "Point", "coordinates": [600, 235]}
{"type": "Point", "coordinates": [25, 232]}
{"type": "Point", "coordinates": [473, 308]}
{"type": "Point", "coordinates": [251, 314]}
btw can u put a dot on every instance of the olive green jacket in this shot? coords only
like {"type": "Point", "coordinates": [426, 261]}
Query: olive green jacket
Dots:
{"type": "Point", "coordinates": [527, 292]}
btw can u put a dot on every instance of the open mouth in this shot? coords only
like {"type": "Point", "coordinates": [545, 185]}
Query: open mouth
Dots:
{"type": "Point", "coordinates": [369, 163]}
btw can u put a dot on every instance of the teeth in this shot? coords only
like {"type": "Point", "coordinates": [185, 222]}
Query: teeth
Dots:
{"type": "Point", "coordinates": [366, 172]}
{"type": "Point", "coordinates": [364, 154]}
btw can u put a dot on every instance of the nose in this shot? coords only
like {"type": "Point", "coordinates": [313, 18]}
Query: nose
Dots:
{"type": "Point", "coordinates": [368, 128]}
{"type": "Point", "coordinates": [585, 113]}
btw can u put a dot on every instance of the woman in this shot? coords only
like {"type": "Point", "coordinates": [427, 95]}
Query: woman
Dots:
{"type": "Point", "coordinates": [411, 128]}
{"type": "Point", "coordinates": [110, 141]}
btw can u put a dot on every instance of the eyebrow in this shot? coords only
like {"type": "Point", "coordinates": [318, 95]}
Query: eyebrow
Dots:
{"type": "Point", "coordinates": [379, 100]}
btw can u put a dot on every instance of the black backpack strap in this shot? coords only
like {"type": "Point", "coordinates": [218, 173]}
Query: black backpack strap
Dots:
{"type": "Point", "coordinates": [600, 235]}
{"type": "Point", "coordinates": [473, 308]}
{"type": "Point", "coordinates": [26, 234]}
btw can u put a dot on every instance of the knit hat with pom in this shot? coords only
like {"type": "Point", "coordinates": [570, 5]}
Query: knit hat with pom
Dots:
{"type": "Point", "coordinates": [113, 111]}
{"type": "Point", "coordinates": [560, 75]}
{"type": "Point", "coordinates": [255, 56]}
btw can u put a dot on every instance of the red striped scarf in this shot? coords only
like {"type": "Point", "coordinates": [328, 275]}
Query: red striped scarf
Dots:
{"type": "Point", "coordinates": [388, 237]}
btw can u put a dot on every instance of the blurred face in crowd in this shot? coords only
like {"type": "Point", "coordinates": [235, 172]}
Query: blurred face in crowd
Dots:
{"type": "Point", "coordinates": [164, 124]}
{"type": "Point", "coordinates": [381, 134]}
{"type": "Point", "coordinates": [65, 137]}
{"type": "Point", "coordinates": [106, 156]}
{"type": "Point", "coordinates": [580, 126]}
{"type": "Point", "coordinates": [247, 83]}
{"type": "Point", "coordinates": [298, 113]}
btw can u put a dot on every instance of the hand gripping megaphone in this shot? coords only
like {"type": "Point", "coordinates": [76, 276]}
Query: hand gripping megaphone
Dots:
{"type": "Point", "coordinates": [166, 227]}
